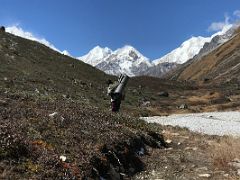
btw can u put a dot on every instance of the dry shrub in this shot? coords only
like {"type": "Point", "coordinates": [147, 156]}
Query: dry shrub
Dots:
{"type": "Point", "coordinates": [225, 151]}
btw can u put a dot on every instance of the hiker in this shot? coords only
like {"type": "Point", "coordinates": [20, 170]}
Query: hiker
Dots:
{"type": "Point", "coordinates": [116, 91]}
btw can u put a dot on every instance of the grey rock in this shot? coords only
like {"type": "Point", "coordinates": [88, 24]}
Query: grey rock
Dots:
{"type": "Point", "coordinates": [183, 106]}
{"type": "Point", "coordinates": [238, 172]}
{"type": "Point", "coordinates": [160, 70]}
{"type": "Point", "coordinates": [146, 103]}
{"type": "Point", "coordinates": [234, 164]}
{"type": "Point", "coordinates": [3, 102]}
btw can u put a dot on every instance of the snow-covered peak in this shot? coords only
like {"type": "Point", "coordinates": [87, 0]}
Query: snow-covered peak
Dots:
{"type": "Point", "coordinates": [125, 50]}
{"type": "Point", "coordinates": [129, 53]}
{"type": "Point", "coordinates": [186, 51]}
{"type": "Point", "coordinates": [96, 55]}
{"type": "Point", "coordinates": [100, 50]}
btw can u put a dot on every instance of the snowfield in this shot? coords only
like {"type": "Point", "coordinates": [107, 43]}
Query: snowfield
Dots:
{"type": "Point", "coordinates": [213, 123]}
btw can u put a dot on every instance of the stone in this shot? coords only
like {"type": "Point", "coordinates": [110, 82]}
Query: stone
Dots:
{"type": "Point", "coordinates": [168, 141]}
{"type": "Point", "coordinates": [146, 103]}
{"type": "Point", "coordinates": [163, 94]}
{"type": "Point", "coordinates": [37, 91]}
{"type": "Point", "coordinates": [206, 79]}
{"type": "Point", "coordinates": [141, 152]}
{"type": "Point", "coordinates": [154, 139]}
{"type": "Point", "coordinates": [183, 106]}
{"type": "Point", "coordinates": [194, 148]}
{"type": "Point", "coordinates": [234, 164]}
{"type": "Point", "coordinates": [236, 160]}
{"type": "Point", "coordinates": [238, 172]}
{"type": "Point", "coordinates": [3, 103]}
{"type": "Point", "coordinates": [175, 134]}
{"type": "Point", "coordinates": [226, 175]}
{"type": "Point", "coordinates": [53, 114]}
{"type": "Point", "coordinates": [63, 158]}
{"type": "Point", "coordinates": [113, 174]}
{"type": "Point", "coordinates": [202, 169]}
{"type": "Point", "coordinates": [204, 175]}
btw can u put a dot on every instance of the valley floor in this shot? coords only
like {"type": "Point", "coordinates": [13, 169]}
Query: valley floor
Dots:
{"type": "Point", "coordinates": [205, 153]}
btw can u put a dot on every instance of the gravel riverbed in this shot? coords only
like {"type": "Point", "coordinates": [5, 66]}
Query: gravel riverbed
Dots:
{"type": "Point", "coordinates": [212, 123]}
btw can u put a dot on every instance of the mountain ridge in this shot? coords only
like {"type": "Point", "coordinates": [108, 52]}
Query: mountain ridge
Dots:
{"type": "Point", "coordinates": [128, 60]}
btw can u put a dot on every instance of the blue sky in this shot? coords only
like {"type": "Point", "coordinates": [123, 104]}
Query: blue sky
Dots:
{"type": "Point", "coordinates": [154, 27]}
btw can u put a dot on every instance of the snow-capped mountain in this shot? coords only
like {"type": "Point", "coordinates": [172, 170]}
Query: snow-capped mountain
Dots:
{"type": "Point", "coordinates": [125, 60]}
{"type": "Point", "coordinates": [96, 55]}
{"type": "Point", "coordinates": [192, 46]}
{"type": "Point", "coordinates": [130, 61]}
{"type": "Point", "coordinates": [186, 51]}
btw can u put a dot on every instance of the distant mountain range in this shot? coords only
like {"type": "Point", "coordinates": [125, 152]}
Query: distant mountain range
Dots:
{"type": "Point", "coordinates": [130, 61]}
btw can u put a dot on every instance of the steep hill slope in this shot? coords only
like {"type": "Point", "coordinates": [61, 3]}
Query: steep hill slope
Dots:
{"type": "Point", "coordinates": [220, 65]}
{"type": "Point", "coordinates": [32, 67]}
{"type": "Point", "coordinates": [54, 118]}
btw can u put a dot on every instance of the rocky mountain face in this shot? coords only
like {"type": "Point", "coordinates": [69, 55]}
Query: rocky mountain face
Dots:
{"type": "Point", "coordinates": [218, 61]}
{"type": "Point", "coordinates": [160, 69]}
